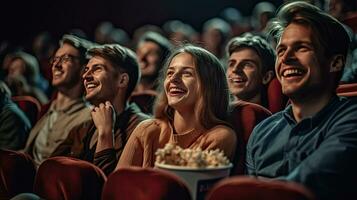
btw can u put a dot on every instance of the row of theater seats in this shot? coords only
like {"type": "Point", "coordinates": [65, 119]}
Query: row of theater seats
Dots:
{"type": "Point", "coordinates": [347, 90]}
{"type": "Point", "coordinates": [30, 105]}
{"type": "Point", "coordinates": [63, 178]}
{"type": "Point", "coordinates": [243, 117]}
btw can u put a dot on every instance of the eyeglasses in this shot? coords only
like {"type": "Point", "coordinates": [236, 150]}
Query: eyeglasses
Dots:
{"type": "Point", "coordinates": [62, 59]}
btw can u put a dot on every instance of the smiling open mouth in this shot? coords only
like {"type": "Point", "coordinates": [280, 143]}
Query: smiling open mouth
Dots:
{"type": "Point", "coordinates": [236, 80]}
{"type": "Point", "coordinates": [57, 73]}
{"type": "Point", "coordinates": [176, 90]}
{"type": "Point", "coordinates": [293, 72]}
{"type": "Point", "coordinates": [91, 85]}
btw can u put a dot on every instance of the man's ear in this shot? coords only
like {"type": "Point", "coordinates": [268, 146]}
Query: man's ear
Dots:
{"type": "Point", "coordinates": [337, 62]}
{"type": "Point", "coordinates": [123, 80]}
{"type": "Point", "coordinates": [268, 76]}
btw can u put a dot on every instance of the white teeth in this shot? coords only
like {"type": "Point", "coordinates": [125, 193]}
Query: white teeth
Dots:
{"type": "Point", "coordinates": [236, 80]}
{"type": "Point", "coordinates": [290, 72]}
{"type": "Point", "coordinates": [57, 73]}
{"type": "Point", "coordinates": [175, 89]}
{"type": "Point", "coordinates": [90, 85]}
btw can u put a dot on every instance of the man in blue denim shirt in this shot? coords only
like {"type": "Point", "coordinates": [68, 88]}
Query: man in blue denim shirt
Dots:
{"type": "Point", "coordinates": [314, 140]}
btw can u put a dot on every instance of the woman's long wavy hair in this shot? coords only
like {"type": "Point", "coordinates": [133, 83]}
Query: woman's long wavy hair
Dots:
{"type": "Point", "coordinates": [212, 106]}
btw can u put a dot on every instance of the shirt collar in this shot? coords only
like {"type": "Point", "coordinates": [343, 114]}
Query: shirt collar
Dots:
{"type": "Point", "coordinates": [73, 106]}
{"type": "Point", "coordinates": [313, 120]}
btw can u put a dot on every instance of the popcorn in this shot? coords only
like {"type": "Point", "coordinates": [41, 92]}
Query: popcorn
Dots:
{"type": "Point", "coordinates": [172, 154]}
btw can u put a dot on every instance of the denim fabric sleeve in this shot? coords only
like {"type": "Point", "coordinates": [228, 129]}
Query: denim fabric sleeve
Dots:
{"type": "Point", "coordinates": [330, 171]}
{"type": "Point", "coordinates": [250, 167]}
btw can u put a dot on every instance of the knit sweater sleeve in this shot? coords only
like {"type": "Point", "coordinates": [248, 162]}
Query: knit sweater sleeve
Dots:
{"type": "Point", "coordinates": [223, 138]}
{"type": "Point", "coordinates": [133, 153]}
{"type": "Point", "coordinates": [106, 160]}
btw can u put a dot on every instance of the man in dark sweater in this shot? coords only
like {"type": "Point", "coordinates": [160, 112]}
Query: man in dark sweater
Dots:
{"type": "Point", "coordinates": [109, 78]}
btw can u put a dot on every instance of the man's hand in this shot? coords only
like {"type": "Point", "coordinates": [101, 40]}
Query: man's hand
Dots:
{"type": "Point", "coordinates": [104, 119]}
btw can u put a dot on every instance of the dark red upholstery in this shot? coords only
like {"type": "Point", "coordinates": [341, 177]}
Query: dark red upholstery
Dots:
{"type": "Point", "coordinates": [30, 105]}
{"type": "Point", "coordinates": [136, 183]}
{"type": "Point", "coordinates": [68, 178]}
{"type": "Point", "coordinates": [347, 90]}
{"type": "Point", "coordinates": [145, 100]}
{"type": "Point", "coordinates": [249, 188]}
{"type": "Point", "coordinates": [17, 173]}
{"type": "Point", "coordinates": [351, 21]}
{"type": "Point", "coordinates": [276, 99]}
{"type": "Point", "coordinates": [244, 117]}
{"type": "Point", "coordinates": [348, 94]}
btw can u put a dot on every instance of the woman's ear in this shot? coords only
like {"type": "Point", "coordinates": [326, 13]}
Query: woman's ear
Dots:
{"type": "Point", "coordinates": [268, 76]}
{"type": "Point", "coordinates": [337, 63]}
{"type": "Point", "coordinates": [123, 80]}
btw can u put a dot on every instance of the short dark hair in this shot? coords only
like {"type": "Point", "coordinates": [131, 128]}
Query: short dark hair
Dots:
{"type": "Point", "coordinates": [82, 45]}
{"type": "Point", "coordinates": [264, 50]}
{"type": "Point", "coordinates": [331, 35]}
{"type": "Point", "coordinates": [123, 59]}
{"type": "Point", "coordinates": [163, 43]}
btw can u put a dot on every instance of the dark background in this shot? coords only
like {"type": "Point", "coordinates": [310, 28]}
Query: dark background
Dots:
{"type": "Point", "coordinates": [21, 20]}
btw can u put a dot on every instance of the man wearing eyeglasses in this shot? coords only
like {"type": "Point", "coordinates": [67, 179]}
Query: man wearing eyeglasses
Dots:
{"type": "Point", "coordinates": [68, 109]}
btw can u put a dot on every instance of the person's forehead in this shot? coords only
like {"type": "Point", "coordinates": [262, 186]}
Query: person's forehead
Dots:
{"type": "Point", "coordinates": [296, 32]}
{"type": "Point", "coordinates": [245, 52]}
{"type": "Point", "coordinates": [95, 60]}
{"type": "Point", "coordinates": [181, 59]}
{"type": "Point", "coordinates": [67, 49]}
{"type": "Point", "coordinates": [150, 45]}
{"type": "Point", "coordinates": [98, 60]}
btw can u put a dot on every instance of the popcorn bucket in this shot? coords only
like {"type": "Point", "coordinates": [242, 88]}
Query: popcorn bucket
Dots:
{"type": "Point", "coordinates": [198, 180]}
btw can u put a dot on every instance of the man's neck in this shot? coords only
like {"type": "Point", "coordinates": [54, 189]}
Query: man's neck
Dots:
{"type": "Point", "coordinates": [63, 100]}
{"type": "Point", "coordinates": [119, 103]}
{"type": "Point", "coordinates": [309, 106]}
{"type": "Point", "coordinates": [66, 95]}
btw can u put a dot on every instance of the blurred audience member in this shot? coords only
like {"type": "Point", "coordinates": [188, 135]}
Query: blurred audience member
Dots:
{"type": "Point", "coordinates": [6, 53]}
{"type": "Point", "coordinates": [239, 24]}
{"type": "Point", "coordinates": [262, 13]}
{"type": "Point", "coordinates": [24, 77]}
{"type": "Point", "coordinates": [152, 50]}
{"type": "Point", "coordinates": [43, 48]}
{"type": "Point", "coordinates": [340, 9]}
{"type": "Point", "coordinates": [14, 125]}
{"type": "Point", "coordinates": [119, 36]}
{"type": "Point", "coordinates": [140, 31]}
{"type": "Point", "coordinates": [102, 32]}
{"type": "Point", "coordinates": [180, 33]}
{"type": "Point", "coordinates": [215, 34]}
